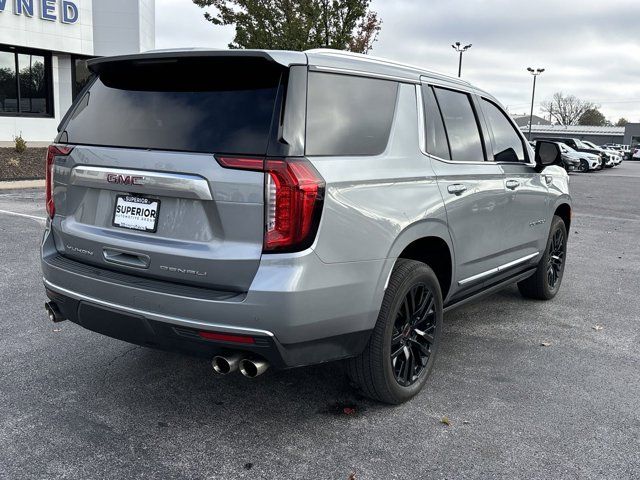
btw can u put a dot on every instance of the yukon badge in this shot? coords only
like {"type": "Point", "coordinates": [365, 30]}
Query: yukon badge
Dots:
{"type": "Point", "coordinates": [124, 179]}
{"type": "Point", "coordinates": [81, 251]}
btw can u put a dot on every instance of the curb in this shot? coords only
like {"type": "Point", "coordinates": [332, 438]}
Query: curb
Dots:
{"type": "Point", "coordinates": [21, 184]}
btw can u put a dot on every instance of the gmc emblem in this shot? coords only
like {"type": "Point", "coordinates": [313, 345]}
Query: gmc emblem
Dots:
{"type": "Point", "coordinates": [124, 179]}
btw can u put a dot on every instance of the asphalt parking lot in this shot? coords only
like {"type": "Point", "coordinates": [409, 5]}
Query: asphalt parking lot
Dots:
{"type": "Point", "coordinates": [530, 389]}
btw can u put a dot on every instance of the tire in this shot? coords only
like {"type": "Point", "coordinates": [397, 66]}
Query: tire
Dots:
{"type": "Point", "coordinates": [545, 283]}
{"type": "Point", "coordinates": [584, 166]}
{"type": "Point", "coordinates": [374, 371]}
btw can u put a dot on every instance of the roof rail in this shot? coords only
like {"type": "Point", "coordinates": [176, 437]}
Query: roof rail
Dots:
{"type": "Point", "coordinates": [384, 61]}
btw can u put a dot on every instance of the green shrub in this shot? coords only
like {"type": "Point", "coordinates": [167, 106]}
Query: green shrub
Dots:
{"type": "Point", "coordinates": [21, 144]}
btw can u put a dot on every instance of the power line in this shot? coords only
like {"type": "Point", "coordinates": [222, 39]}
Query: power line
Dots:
{"type": "Point", "coordinates": [600, 102]}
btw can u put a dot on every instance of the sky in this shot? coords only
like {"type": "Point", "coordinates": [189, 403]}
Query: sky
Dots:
{"type": "Point", "coordinates": [589, 48]}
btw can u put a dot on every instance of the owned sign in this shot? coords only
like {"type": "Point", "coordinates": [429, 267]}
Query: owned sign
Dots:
{"type": "Point", "coordinates": [64, 11]}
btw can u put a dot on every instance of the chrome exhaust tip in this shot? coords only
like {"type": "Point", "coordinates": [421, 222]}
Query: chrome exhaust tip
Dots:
{"type": "Point", "coordinates": [251, 368]}
{"type": "Point", "coordinates": [224, 365]}
{"type": "Point", "coordinates": [53, 312]}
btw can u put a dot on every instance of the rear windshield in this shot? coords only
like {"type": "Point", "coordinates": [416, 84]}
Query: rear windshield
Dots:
{"type": "Point", "coordinates": [196, 105]}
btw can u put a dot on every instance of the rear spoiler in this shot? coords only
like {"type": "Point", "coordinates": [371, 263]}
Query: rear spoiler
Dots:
{"type": "Point", "coordinates": [281, 57]}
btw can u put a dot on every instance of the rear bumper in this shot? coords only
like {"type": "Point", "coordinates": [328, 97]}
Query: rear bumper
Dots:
{"type": "Point", "coordinates": [299, 310]}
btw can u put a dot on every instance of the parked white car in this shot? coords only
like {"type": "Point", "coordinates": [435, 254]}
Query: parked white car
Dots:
{"type": "Point", "coordinates": [588, 161]}
{"type": "Point", "coordinates": [612, 157]}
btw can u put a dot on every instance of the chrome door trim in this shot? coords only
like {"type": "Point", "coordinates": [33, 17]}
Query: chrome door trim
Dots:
{"type": "Point", "coordinates": [159, 183]}
{"type": "Point", "coordinates": [186, 322]}
{"type": "Point", "coordinates": [499, 269]}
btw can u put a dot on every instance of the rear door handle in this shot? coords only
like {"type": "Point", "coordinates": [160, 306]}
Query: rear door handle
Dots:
{"type": "Point", "coordinates": [456, 188]}
{"type": "Point", "coordinates": [127, 259]}
{"type": "Point", "coordinates": [513, 184]}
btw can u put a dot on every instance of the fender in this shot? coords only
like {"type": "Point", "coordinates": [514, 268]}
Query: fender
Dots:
{"type": "Point", "coordinates": [429, 227]}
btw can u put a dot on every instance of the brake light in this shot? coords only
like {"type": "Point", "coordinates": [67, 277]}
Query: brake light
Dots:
{"type": "Point", "coordinates": [52, 152]}
{"type": "Point", "coordinates": [294, 194]}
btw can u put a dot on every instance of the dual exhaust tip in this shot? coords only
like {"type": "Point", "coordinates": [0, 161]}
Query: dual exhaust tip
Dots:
{"type": "Point", "coordinates": [249, 367]}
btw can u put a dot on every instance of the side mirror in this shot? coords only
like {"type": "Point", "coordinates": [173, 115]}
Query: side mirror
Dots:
{"type": "Point", "coordinates": [547, 153]}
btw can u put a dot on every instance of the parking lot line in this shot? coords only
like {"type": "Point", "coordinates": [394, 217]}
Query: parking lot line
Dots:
{"type": "Point", "coordinates": [33, 217]}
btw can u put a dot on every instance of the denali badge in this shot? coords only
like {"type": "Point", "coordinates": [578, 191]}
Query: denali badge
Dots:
{"type": "Point", "coordinates": [183, 270]}
{"type": "Point", "coordinates": [124, 179]}
{"type": "Point", "coordinates": [81, 251]}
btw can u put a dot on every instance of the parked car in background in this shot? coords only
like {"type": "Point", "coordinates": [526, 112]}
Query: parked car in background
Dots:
{"type": "Point", "coordinates": [636, 153]}
{"type": "Point", "coordinates": [570, 162]}
{"type": "Point", "coordinates": [625, 150]}
{"type": "Point", "coordinates": [585, 161]}
{"type": "Point", "coordinates": [614, 157]}
{"type": "Point", "coordinates": [577, 145]}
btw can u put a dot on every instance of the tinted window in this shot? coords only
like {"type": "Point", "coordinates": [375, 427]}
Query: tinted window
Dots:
{"type": "Point", "coordinates": [507, 144]}
{"type": "Point", "coordinates": [81, 75]}
{"type": "Point", "coordinates": [462, 128]}
{"type": "Point", "coordinates": [8, 83]}
{"type": "Point", "coordinates": [33, 84]}
{"type": "Point", "coordinates": [212, 106]}
{"type": "Point", "coordinates": [434, 128]}
{"type": "Point", "coordinates": [349, 115]}
{"type": "Point", "coordinates": [25, 83]}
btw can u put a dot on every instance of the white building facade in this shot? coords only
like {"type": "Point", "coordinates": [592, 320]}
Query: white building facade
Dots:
{"type": "Point", "coordinates": [44, 45]}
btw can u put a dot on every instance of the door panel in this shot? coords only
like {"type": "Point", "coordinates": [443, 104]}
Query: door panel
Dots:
{"type": "Point", "coordinates": [527, 204]}
{"type": "Point", "coordinates": [475, 215]}
{"type": "Point", "coordinates": [526, 190]}
{"type": "Point", "coordinates": [473, 189]}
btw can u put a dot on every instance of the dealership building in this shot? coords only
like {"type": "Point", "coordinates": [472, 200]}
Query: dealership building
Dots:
{"type": "Point", "coordinates": [627, 135]}
{"type": "Point", "coordinates": [44, 45]}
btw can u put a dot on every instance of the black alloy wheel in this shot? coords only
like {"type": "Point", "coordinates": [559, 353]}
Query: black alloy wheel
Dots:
{"type": "Point", "coordinates": [555, 262]}
{"type": "Point", "coordinates": [545, 283]}
{"type": "Point", "coordinates": [413, 335]}
{"type": "Point", "coordinates": [584, 166]}
{"type": "Point", "coordinates": [396, 363]}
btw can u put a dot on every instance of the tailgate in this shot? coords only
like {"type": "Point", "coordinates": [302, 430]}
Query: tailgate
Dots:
{"type": "Point", "coordinates": [144, 135]}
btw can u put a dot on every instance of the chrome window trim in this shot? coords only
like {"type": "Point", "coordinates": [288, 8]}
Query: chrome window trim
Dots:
{"type": "Point", "coordinates": [170, 184]}
{"type": "Point", "coordinates": [423, 140]}
{"type": "Point", "coordinates": [155, 316]}
{"type": "Point", "coordinates": [499, 269]}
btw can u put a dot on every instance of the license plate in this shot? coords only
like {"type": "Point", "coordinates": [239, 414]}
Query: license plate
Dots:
{"type": "Point", "coordinates": [136, 213]}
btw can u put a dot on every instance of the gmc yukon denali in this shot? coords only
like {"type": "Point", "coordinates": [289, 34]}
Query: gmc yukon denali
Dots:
{"type": "Point", "coordinates": [273, 208]}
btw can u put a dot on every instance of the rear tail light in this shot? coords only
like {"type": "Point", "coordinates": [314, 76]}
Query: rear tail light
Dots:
{"type": "Point", "coordinates": [52, 152]}
{"type": "Point", "coordinates": [294, 195]}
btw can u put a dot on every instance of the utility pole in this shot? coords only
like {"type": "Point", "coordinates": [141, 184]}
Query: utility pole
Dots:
{"type": "Point", "coordinates": [535, 74]}
{"type": "Point", "coordinates": [460, 49]}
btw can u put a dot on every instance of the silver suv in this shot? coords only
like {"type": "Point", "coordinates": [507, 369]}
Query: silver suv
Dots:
{"type": "Point", "coordinates": [272, 208]}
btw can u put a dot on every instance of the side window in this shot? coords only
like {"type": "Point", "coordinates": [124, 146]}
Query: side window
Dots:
{"type": "Point", "coordinates": [348, 115]}
{"type": "Point", "coordinates": [507, 144]}
{"type": "Point", "coordinates": [461, 124]}
{"type": "Point", "coordinates": [435, 134]}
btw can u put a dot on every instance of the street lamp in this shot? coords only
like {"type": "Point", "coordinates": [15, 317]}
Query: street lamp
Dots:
{"type": "Point", "coordinates": [535, 74]}
{"type": "Point", "coordinates": [460, 49]}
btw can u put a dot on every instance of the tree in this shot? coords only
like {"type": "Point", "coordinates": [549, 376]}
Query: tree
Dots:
{"type": "Point", "coordinates": [622, 122]}
{"type": "Point", "coordinates": [593, 117]}
{"type": "Point", "coordinates": [297, 24]}
{"type": "Point", "coordinates": [567, 110]}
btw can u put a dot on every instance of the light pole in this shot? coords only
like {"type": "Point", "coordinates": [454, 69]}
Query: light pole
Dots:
{"type": "Point", "coordinates": [460, 49]}
{"type": "Point", "coordinates": [535, 74]}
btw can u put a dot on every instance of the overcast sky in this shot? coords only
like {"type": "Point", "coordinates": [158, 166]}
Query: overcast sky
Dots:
{"type": "Point", "coordinates": [590, 48]}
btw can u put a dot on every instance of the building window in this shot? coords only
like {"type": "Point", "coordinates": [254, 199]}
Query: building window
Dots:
{"type": "Point", "coordinates": [25, 83]}
{"type": "Point", "coordinates": [81, 74]}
